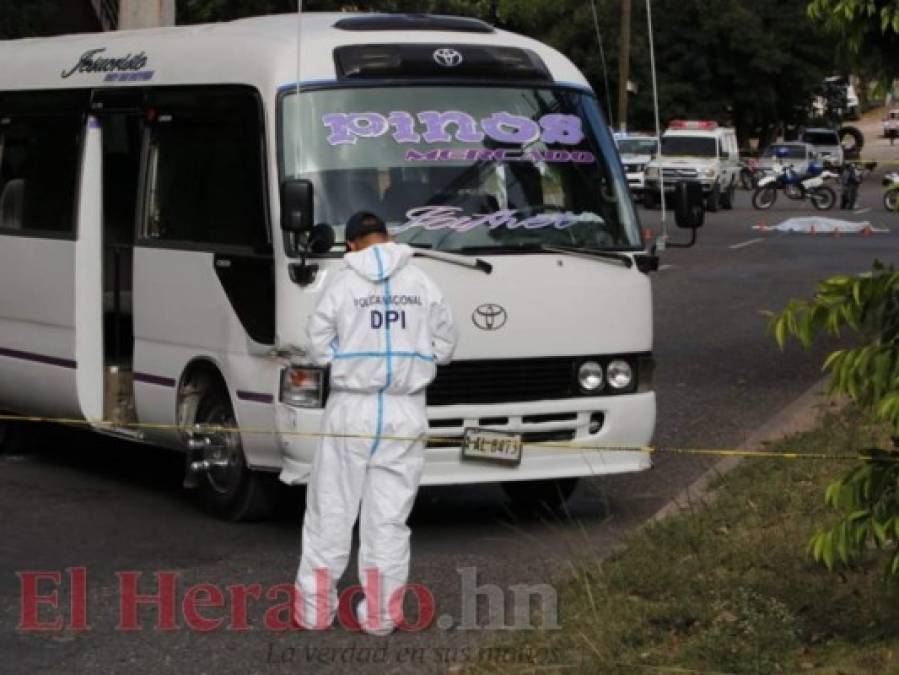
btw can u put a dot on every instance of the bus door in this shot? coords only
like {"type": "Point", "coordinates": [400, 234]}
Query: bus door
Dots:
{"type": "Point", "coordinates": [110, 181]}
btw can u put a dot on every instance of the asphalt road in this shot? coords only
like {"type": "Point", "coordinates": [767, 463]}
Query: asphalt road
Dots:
{"type": "Point", "coordinates": [111, 507]}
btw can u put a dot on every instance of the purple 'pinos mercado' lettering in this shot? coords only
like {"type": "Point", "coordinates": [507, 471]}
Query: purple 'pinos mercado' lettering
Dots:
{"type": "Point", "coordinates": [432, 126]}
{"type": "Point", "coordinates": [562, 129]}
{"type": "Point", "coordinates": [403, 127]}
{"type": "Point", "coordinates": [347, 127]}
{"type": "Point", "coordinates": [500, 155]}
{"type": "Point", "coordinates": [507, 128]}
{"type": "Point", "coordinates": [437, 122]}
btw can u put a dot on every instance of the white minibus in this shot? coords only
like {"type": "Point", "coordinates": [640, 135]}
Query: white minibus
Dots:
{"type": "Point", "coordinates": [172, 202]}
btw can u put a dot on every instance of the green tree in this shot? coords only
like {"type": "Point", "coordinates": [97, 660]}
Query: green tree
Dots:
{"type": "Point", "coordinates": [754, 64]}
{"type": "Point", "coordinates": [867, 31]}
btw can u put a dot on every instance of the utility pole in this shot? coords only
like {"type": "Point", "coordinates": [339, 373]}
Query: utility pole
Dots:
{"type": "Point", "coordinates": [624, 63]}
{"type": "Point", "coordinates": [146, 13]}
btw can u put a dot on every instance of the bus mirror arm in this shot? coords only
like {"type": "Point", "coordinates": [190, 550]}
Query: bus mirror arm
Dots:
{"type": "Point", "coordinates": [647, 262]}
{"type": "Point", "coordinates": [318, 240]}
{"type": "Point", "coordinates": [688, 244]}
{"type": "Point", "coordinates": [689, 210]}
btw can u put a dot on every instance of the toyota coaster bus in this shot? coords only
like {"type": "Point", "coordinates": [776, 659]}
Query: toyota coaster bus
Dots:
{"type": "Point", "coordinates": [172, 203]}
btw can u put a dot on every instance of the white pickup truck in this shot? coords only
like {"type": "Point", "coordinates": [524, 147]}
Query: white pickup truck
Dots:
{"type": "Point", "coordinates": [700, 151]}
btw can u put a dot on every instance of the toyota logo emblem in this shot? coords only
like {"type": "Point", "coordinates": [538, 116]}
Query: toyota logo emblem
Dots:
{"type": "Point", "coordinates": [448, 58]}
{"type": "Point", "coordinates": [489, 317]}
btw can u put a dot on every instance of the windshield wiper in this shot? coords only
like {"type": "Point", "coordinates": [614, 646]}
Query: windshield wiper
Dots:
{"type": "Point", "coordinates": [532, 247]}
{"type": "Point", "coordinates": [425, 251]}
{"type": "Point", "coordinates": [625, 260]}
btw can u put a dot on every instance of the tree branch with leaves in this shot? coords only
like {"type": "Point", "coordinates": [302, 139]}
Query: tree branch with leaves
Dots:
{"type": "Point", "coordinates": [867, 498]}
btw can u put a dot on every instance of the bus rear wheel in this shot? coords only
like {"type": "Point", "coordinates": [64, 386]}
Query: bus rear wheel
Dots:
{"type": "Point", "coordinates": [228, 488]}
{"type": "Point", "coordinates": [533, 495]}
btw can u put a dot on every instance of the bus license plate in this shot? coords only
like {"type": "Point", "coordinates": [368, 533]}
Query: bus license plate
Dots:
{"type": "Point", "coordinates": [484, 445]}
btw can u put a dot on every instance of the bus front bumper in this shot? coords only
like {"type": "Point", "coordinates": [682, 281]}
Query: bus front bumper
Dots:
{"type": "Point", "coordinates": [625, 421]}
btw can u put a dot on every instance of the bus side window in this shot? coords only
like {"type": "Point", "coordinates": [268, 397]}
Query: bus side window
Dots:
{"type": "Point", "coordinates": [205, 183]}
{"type": "Point", "coordinates": [39, 173]}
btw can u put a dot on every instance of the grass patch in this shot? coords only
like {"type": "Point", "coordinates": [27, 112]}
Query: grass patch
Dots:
{"type": "Point", "coordinates": [729, 588]}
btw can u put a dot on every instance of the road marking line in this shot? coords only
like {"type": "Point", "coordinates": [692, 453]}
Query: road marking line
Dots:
{"type": "Point", "coordinates": [859, 212]}
{"type": "Point", "coordinates": [662, 268]}
{"type": "Point", "coordinates": [744, 244]}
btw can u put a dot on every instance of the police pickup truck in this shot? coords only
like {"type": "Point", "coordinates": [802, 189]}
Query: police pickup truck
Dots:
{"type": "Point", "coordinates": [694, 150]}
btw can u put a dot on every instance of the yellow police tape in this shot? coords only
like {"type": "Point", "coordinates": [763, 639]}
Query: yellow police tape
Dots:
{"type": "Point", "coordinates": [880, 456]}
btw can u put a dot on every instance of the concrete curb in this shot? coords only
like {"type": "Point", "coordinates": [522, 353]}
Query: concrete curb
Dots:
{"type": "Point", "coordinates": [800, 415]}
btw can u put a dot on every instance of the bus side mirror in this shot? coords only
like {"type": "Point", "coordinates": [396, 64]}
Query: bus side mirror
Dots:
{"type": "Point", "coordinates": [689, 212]}
{"type": "Point", "coordinates": [297, 209]}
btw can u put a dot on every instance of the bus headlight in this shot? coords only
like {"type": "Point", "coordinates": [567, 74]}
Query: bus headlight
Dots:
{"type": "Point", "coordinates": [590, 376]}
{"type": "Point", "coordinates": [303, 387]}
{"type": "Point", "coordinates": [619, 374]}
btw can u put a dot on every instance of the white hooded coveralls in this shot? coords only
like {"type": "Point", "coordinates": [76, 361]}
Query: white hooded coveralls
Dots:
{"type": "Point", "coordinates": [383, 326]}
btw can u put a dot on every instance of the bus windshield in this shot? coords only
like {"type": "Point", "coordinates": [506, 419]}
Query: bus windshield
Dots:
{"type": "Point", "coordinates": [462, 169]}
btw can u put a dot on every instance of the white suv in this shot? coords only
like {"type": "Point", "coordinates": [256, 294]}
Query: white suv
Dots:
{"type": "Point", "coordinates": [636, 151]}
{"type": "Point", "coordinates": [826, 143]}
{"type": "Point", "coordinates": [696, 151]}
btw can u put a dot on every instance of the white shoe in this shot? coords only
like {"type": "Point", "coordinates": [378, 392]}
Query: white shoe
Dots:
{"type": "Point", "coordinates": [362, 619]}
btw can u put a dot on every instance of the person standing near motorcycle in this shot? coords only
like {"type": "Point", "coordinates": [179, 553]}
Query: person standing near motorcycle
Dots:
{"type": "Point", "coordinates": [850, 179]}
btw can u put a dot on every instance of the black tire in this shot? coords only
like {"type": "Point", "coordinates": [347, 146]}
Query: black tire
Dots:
{"type": "Point", "coordinates": [891, 200]}
{"type": "Point", "coordinates": [650, 200]}
{"type": "Point", "coordinates": [535, 495]}
{"type": "Point", "coordinates": [852, 141]}
{"type": "Point", "coordinates": [232, 492]}
{"type": "Point", "coordinates": [823, 198]}
{"type": "Point", "coordinates": [764, 197]}
{"type": "Point", "coordinates": [728, 197]}
{"type": "Point", "coordinates": [713, 199]}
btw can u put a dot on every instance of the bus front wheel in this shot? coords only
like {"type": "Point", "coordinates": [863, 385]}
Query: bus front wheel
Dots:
{"type": "Point", "coordinates": [228, 488]}
{"type": "Point", "coordinates": [531, 495]}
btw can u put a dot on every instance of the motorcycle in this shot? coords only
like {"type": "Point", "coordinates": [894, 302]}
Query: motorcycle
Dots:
{"type": "Point", "coordinates": [891, 196]}
{"type": "Point", "coordinates": [796, 186]}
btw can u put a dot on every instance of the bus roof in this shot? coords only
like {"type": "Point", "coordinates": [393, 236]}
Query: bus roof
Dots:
{"type": "Point", "coordinates": [259, 51]}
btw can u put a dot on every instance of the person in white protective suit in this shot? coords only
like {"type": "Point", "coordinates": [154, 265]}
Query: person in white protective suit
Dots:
{"type": "Point", "coordinates": [383, 326]}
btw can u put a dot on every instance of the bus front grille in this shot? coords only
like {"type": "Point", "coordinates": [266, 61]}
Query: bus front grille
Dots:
{"type": "Point", "coordinates": [504, 381]}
